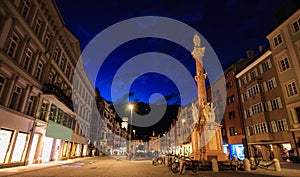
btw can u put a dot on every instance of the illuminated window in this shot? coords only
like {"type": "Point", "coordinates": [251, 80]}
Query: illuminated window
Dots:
{"type": "Point", "coordinates": [19, 149]}
{"type": "Point", "coordinates": [233, 131]}
{"type": "Point", "coordinates": [5, 138]}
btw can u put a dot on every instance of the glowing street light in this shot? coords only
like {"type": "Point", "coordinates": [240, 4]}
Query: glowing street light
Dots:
{"type": "Point", "coordinates": [130, 106]}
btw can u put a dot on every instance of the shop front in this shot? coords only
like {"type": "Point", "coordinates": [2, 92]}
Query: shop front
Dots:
{"type": "Point", "coordinates": [14, 138]}
{"type": "Point", "coordinates": [62, 137]}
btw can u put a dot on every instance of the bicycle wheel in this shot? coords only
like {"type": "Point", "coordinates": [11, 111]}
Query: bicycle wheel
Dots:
{"type": "Point", "coordinates": [175, 168]}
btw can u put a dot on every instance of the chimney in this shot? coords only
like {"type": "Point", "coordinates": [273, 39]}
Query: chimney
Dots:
{"type": "Point", "coordinates": [250, 53]}
{"type": "Point", "coordinates": [260, 48]}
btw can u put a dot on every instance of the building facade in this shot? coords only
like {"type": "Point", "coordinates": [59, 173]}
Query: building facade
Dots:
{"type": "Point", "coordinates": [262, 101]}
{"type": "Point", "coordinates": [285, 46]}
{"type": "Point", "coordinates": [38, 56]}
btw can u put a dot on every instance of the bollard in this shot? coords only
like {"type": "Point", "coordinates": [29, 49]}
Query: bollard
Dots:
{"type": "Point", "coordinates": [166, 160]}
{"type": "Point", "coordinates": [214, 164]}
{"type": "Point", "coordinates": [247, 165]}
{"type": "Point", "coordinates": [181, 165]}
{"type": "Point", "coordinates": [277, 165]}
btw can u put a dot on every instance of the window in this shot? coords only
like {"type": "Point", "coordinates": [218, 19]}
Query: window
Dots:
{"type": "Point", "coordinates": [25, 8]}
{"type": "Point", "coordinates": [39, 71]}
{"type": "Point", "coordinates": [298, 113]}
{"type": "Point", "coordinates": [68, 70]}
{"type": "Point", "coordinates": [50, 79]}
{"type": "Point", "coordinates": [62, 63]}
{"type": "Point", "coordinates": [230, 99]}
{"type": "Point", "coordinates": [271, 84]}
{"type": "Point", "coordinates": [296, 25]}
{"type": "Point", "coordinates": [27, 59]}
{"type": "Point", "coordinates": [243, 81]}
{"type": "Point", "coordinates": [231, 115]}
{"type": "Point", "coordinates": [263, 127]}
{"type": "Point", "coordinates": [282, 125]}
{"type": "Point", "coordinates": [248, 113]}
{"type": "Point", "coordinates": [43, 111]}
{"type": "Point", "coordinates": [277, 40]}
{"type": "Point", "coordinates": [276, 104]}
{"type": "Point", "coordinates": [233, 131]}
{"type": "Point", "coordinates": [254, 90]}
{"type": "Point", "coordinates": [12, 44]}
{"type": "Point", "coordinates": [15, 98]}
{"type": "Point", "coordinates": [56, 54]}
{"type": "Point", "coordinates": [253, 74]}
{"type": "Point", "coordinates": [47, 40]}
{"type": "Point", "coordinates": [284, 64]}
{"type": "Point", "coordinates": [257, 108]}
{"type": "Point", "coordinates": [37, 25]}
{"type": "Point", "coordinates": [29, 109]}
{"type": "Point", "coordinates": [291, 89]}
{"type": "Point", "coordinates": [229, 85]}
{"type": "Point", "coordinates": [266, 66]}
{"type": "Point", "coordinates": [2, 82]}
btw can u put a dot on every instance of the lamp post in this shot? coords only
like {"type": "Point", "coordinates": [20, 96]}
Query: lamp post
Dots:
{"type": "Point", "coordinates": [183, 123]}
{"type": "Point", "coordinates": [130, 130]}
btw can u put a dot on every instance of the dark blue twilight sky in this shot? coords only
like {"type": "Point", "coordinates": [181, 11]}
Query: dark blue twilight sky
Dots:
{"type": "Point", "coordinates": [230, 26]}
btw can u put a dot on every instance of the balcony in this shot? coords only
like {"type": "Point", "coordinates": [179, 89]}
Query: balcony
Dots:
{"type": "Point", "coordinates": [59, 94]}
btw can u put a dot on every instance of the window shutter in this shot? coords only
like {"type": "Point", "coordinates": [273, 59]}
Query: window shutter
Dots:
{"type": "Point", "coordinates": [274, 126]}
{"type": "Point", "coordinates": [240, 84]}
{"type": "Point", "coordinates": [269, 105]}
{"type": "Point", "coordinates": [265, 86]}
{"type": "Point", "coordinates": [285, 125]}
{"type": "Point", "coordinates": [279, 102]}
{"type": "Point", "coordinates": [261, 69]}
{"type": "Point", "coordinates": [242, 97]}
{"type": "Point", "coordinates": [270, 64]}
{"type": "Point", "coordinates": [249, 76]}
{"type": "Point", "coordinates": [245, 114]}
{"type": "Point", "coordinates": [250, 110]}
{"type": "Point", "coordinates": [248, 131]}
{"type": "Point", "coordinates": [274, 82]}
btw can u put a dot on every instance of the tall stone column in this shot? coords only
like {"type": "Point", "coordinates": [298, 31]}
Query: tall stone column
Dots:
{"type": "Point", "coordinates": [206, 137]}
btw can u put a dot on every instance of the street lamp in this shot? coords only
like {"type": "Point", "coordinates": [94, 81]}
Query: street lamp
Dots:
{"type": "Point", "coordinates": [133, 133]}
{"type": "Point", "coordinates": [130, 130]}
{"type": "Point", "coordinates": [183, 123]}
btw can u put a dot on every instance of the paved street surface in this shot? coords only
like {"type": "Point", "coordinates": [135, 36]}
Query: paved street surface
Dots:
{"type": "Point", "coordinates": [119, 167]}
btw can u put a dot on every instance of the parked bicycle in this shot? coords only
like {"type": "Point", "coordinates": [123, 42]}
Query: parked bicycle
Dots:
{"type": "Point", "coordinates": [259, 162]}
